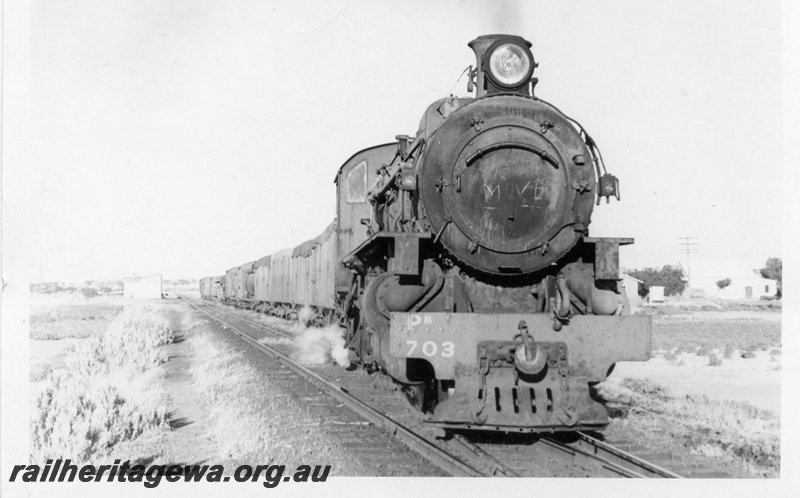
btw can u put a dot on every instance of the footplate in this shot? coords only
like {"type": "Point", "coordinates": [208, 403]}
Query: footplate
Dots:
{"type": "Point", "coordinates": [479, 354]}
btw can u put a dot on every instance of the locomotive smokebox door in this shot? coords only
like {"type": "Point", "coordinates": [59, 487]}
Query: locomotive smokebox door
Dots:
{"type": "Point", "coordinates": [500, 187]}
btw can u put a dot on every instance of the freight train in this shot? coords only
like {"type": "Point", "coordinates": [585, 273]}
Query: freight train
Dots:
{"type": "Point", "coordinates": [460, 262]}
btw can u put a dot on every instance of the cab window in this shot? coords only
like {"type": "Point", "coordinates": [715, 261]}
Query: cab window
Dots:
{"type": "Point", "coordinates": [356, 184]}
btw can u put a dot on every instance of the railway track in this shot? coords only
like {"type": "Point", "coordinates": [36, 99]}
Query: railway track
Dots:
{"type": "Point", "coordinates": [471, 454]}
{"type": "Point", "coordinates": [540, 456]}
{"type": "Point", "coordinates": [414, 441]}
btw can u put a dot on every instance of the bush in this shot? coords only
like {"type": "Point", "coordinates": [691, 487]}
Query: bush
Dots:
{"type": "Point", "coordinates": [714, 360]}
{"type": "Point", "coordinates": [134, 339]}
{"type": "Point", "coordinates": [89, 292]}
{"type": "Point", "coordinates": [728, 353]}
{"type": "Point", "coordinates": [46, 287]}
{"type": "Point", "coordinates": [98, 399]}
{"type": "Point", "coordinates": [80, 420]}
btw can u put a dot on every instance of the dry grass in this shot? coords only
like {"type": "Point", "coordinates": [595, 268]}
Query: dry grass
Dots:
{"type": "Point", "coordinates": [41, 371]}
{"type": "Point", "coordinates": [251, 419]}
{"type": "Point", "coordinates": [107, 391]}
{"type": "Point", "coordinates": [77, 321]}
{"type": "Point", "coordinates": [680, 306]}
{"type": "Point", "coordinates": [728, 430]}
{"type": "Point", "coordinates": [703, 336]}
{"type": "Point", "coordinates": [237, 422]}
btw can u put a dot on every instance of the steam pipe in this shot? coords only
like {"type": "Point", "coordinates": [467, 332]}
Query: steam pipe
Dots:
{"type": "Point", "coordinates": [398, 297]}
{"type": "Point", "coordinates": [582, 284]}
{"type": "Point", "coordinates": [563, 289]}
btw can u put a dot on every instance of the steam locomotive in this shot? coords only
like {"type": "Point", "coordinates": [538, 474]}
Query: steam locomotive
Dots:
{"type": "Point", "coordinates": [460, 262]}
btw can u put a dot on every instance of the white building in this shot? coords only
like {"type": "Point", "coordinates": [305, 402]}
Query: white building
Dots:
{"type": "Point", "coordinates": [138, 287]}
{"type": "Point", "coordinates": [631, 287]}
{"type": "Point", "coordinates": [746, 283]}
{"type": "Point", "coordinates": [656, 294]}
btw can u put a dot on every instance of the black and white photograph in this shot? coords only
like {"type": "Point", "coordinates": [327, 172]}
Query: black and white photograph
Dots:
{"type": "Point", "coordinates": [333, 247]}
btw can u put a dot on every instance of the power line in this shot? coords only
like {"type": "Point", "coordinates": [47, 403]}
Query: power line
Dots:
{"type": "Point", "coordinates": [688, 245]}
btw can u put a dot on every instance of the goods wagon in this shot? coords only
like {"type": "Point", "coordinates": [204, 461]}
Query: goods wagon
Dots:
{"type": "Point", "coordinates": [205, 287]}
{"type": "Point", "coordinates": [231, 284]}
{"type": "Point", "coordinates": [245, 284]}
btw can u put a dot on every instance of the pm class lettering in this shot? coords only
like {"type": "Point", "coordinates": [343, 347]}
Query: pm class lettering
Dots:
{"type": "Point", "coordinates": [60, 471]}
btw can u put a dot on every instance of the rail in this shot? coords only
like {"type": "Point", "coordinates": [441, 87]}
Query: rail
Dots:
{"type": "Point", "coordinates": [583, 450]}
{"type": "Point", "coordinates": [416, 442]}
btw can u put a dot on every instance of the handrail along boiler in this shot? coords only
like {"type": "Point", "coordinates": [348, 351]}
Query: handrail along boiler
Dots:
{"type": "Point", "coordinates": [462, 262]}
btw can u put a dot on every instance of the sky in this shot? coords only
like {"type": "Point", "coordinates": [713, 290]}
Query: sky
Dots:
{"type": "Point", "coordinates": [187, 137]}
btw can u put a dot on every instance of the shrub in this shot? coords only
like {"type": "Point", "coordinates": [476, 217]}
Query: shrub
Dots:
{"type": "Point", "coordinates": [46, 287]}
{"type": "Point", "coordinates": [134, 339]}
{"type": "Point", "coordinates": [728, 353]}
{"type": "Point", "coordinates": [89, 292]}
{"type": "Point", "coordinates": [714, 360]}
{"type": "Point", "coordinates": [81, 420]}
{"type": "Point", "coordinates": [99, 399]}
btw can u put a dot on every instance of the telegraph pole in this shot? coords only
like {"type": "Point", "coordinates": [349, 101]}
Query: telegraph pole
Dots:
{"type": "Point", "coordinates": [688, 245]}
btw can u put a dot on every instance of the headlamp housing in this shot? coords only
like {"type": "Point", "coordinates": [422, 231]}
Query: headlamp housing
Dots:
{"type": "Point", "coordinates": [508, 64]}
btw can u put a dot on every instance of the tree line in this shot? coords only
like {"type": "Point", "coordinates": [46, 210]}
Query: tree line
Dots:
{"type": "Point", "coordinates": [671, 278]}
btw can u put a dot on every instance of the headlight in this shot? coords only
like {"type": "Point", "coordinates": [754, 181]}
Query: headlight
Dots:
{"type": "Point", "coordinates": [510, 65]}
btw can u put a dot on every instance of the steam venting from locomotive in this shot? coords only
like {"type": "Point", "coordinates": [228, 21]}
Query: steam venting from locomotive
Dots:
{"type": "Point", "coordinates": [314, 346]}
